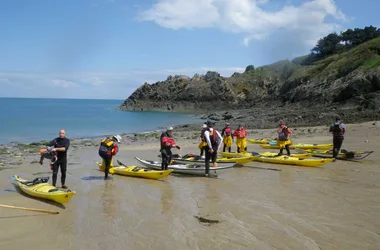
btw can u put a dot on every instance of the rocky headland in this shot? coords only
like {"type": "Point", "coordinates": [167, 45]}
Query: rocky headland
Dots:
{"type": "Point", "coordinates": [301, 92]}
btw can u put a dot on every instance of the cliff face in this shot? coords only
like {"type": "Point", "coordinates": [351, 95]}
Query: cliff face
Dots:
{"type": "Point", "coordinates": [349, 79]}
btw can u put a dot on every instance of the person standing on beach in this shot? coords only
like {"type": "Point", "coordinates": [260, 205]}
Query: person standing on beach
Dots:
{"type": "Point", "coordinates": [203, 144]}
{"type": "Point", "coordinates": [338, 128]}
{"type": "Point", "coordinates": [107, 149]}
{"type": "Point", "coordinates": [61, 144]}
{"type": "Point", "coordinates": [283, 138]}
{"type": "Point", "coordinates": [214, 141]}
{"type": "Point", "coordinates": [167, 143]}
{"type": "Point", "coordinates": [241, 141]}
{"type": "Point", "coordinates": [227, 137]}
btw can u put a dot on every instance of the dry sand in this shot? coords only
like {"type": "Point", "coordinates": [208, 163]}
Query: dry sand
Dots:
{"type": "Point", "coordinates": [336, 206]}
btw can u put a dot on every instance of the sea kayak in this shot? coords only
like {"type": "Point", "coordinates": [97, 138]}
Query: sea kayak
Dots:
{"type": "Point", "coordinates": [135, 171]}
{"type": "Point", "coordinates": [261, 141]}
{"type": "Point", "coordinates": [41, 189]}
{"type": "Point", "coordinates": [343, 155]}
{"type": "Point", "coordinates": [220, 161]}
{"type": "Point", "coordinates": [288, 160]}
{"type": "Point", "coordinates": [190, 169]}
{"type": "Point", "coordinates": [269, 154]}
{"type": "Point", "coordinates": [299, 146]}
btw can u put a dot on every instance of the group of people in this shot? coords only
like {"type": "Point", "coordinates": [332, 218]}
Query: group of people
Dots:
{"type": "Point", "coordinates": [211, 141]}
{"type": "Point", "coordinates": [227, 137]}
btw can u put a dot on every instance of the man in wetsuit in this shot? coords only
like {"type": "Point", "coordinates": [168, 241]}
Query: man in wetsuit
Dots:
{"type": "Point", "coordinates": [338, 128]}
{"type": "Point", "coordinates": [61, 144]}
{"type": "Point", "coordinates": [167, 143]}
{"type": "Point", "coordinates": [214, 141]}
{"type": "Point", "coordinates": [107, 149]}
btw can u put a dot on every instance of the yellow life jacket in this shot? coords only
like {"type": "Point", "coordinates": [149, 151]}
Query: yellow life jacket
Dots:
{"type": "Point", "coordinates": [106, 144]}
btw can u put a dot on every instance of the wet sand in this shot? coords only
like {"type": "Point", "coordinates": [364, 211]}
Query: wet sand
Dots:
{"type": "Point", "coordinates": [336, 206]}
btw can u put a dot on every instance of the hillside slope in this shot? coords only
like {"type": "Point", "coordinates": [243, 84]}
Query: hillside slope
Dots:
{"type": "Point", "coordinates": [350, 78]}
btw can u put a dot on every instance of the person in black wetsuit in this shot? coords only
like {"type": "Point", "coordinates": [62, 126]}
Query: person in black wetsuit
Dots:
{"type": "Point", "coordinates": [107, 149]}
{"type": "Point", "coordinates": [61, 145]}
{"type": "Point", "coordinates": [338, 128]}
{"type": "Point", "coordinates": [167, 142]}
{"type": "Point", "coordinates": [214, 141]}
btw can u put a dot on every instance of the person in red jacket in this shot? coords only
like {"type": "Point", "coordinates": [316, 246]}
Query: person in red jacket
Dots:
{"type": "Point", "coordinates": [107, 149]}
{"type": "Point", "coordinates": [241, 138]}
{"type": "Point", "coordinates": [167, 143]}
{"type": "Point", "coordinates": [227, 137]}
{"type": "Point", "coordinates": [284, 138]}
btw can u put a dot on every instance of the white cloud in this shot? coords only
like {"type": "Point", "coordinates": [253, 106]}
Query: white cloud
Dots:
{"type": "Point", "coordinates": [248, 17]}
{"type": "Point", "coordinates": [63, 83]}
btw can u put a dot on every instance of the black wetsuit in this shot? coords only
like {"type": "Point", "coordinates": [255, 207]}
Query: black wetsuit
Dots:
{"type": "Point", "coordinates": [61, 158]}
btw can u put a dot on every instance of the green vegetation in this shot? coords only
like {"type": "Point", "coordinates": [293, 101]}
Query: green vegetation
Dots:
{"type": "Point", "coordinates": [334, 43]}
{"type": "Point", "coordinates": [333, 57]}
{"type": "Point", "coordinates": [4, 151]}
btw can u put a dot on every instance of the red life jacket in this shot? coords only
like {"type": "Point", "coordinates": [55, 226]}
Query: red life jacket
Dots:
{"type": "Point", "coordinates": [337, 130]}
{"type": "Point", "coordinates": [213, 138]}
{"type": "Point", "coordinates": [227, 131]}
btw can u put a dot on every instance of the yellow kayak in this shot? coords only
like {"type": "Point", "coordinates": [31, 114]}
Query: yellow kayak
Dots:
{"type": "Point", "coordinates": [299, 146]}
{"type": "Point", "coordinates": [269, 154]}
{"type": "Point", "coordinates": [41, 189]}
{"type": "Point", "coordinates": [293, 161]}
{"type": "Point", "coordinates": [260, 141]}
{"type": "Point", "coordinates": [134, 171]}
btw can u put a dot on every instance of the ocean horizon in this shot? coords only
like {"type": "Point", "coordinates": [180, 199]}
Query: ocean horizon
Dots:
{"type": "Point", "coordinates": [26, 120]}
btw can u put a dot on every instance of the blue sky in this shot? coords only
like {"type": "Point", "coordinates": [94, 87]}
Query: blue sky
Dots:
{"type": "Point", "coordinates": [107, 48]}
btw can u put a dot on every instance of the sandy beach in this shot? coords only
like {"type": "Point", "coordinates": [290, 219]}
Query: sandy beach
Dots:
{"type": "Point", "coordinates": [336, 206]}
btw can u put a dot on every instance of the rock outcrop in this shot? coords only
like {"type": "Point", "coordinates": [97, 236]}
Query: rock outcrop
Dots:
{"type": "Point", "coordinates": [349, 80]}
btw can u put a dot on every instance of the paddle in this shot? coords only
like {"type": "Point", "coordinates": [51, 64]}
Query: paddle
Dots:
{"type": "Point", "coordinates": [30, 209]}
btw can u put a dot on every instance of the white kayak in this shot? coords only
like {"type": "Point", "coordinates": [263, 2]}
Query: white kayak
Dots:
{"type": "Point", "coordinates": [190, 169]}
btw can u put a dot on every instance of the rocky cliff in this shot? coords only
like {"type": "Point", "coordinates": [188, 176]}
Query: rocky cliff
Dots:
{"type": "Point", "coordinates": [346, 80]}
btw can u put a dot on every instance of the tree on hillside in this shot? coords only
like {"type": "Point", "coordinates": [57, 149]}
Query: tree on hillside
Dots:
{"type": "Point", "coordinates": [334, 43]}
{"type": "Point", "coordinates": [328, 45]}
{"type": "Point", "coordinates": [354, 37]}
{"type": "Point", "coordinates": [249, 68]}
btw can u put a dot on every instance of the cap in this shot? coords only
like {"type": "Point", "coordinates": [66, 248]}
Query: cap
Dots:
{"type": "Point", "coordinates": [169, 129]}
{"type": "Point", "coordinates": [210, 123]}
{"type": "Point", "coordinates": [227, 124]}
{"type": "Point", "coordinates": [117, 137]}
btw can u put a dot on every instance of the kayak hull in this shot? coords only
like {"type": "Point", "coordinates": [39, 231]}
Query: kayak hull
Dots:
{"type": "Point", "coordinates": [341, 155]}
{"type": "Point", "coordinates": [134, 171]}
{"type": "Point", "coordinates": [188, 169]}
{"type": "Point", "coordinates": [220, 161]}
{"type": "Point", "coordinates": [260, 141]}
{"type": "Point", "coordinates": [44, 191]}
{"type": "Point", "coordinates": [285, 160]}
{"type": "Point", "coordinates": [299, 146]}
{"type": "Point", "coordinates": [268, 154]}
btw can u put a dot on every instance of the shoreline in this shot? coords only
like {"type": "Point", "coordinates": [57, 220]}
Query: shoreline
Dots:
{"type": "Point", "coordinates": [18, 153]}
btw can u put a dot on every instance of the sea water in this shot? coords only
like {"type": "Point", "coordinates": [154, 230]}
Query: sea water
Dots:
{"type": "Point", "coordinates": [32, 119]}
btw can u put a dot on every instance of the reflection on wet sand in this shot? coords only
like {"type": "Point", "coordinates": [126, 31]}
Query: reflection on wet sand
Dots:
{"type": "Point", "coordinates": [166, 198]}
{"type": "Point", "coordinates": [109, 200]}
